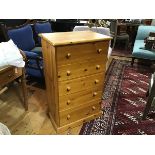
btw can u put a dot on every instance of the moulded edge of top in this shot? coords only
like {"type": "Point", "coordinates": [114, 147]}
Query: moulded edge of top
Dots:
{"type": "Point", "coordinates": [99, 37]}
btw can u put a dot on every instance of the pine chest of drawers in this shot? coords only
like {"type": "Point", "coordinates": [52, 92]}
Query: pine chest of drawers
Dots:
{"type": "Point", "coordinates": [74, 68]}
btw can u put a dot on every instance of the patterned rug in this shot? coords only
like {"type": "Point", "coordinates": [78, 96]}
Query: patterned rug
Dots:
{"type": "Point", "coordinates": [123, 102]}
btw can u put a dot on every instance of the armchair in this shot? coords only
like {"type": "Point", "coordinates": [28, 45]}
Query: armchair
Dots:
{"type": "Point", "coordinates": [118, 36]}
{"type": "Point", "coordinates": [23, 38]}
{"type": "Point", "coordinates": [139, 52]}
{"type": "Point", "coordinates": [42, 27]}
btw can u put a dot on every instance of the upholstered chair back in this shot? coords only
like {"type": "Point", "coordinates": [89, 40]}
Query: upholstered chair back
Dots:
{"type": "Point", "coordinates": [42, 28]}
{"type": "Point", "coordinates": [143, 32]}
{"type": "Point", "coordinates": [22, 37]}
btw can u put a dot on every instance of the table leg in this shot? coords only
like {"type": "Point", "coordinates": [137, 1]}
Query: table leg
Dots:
{"type": "Point", "coordinates": [24, 89]}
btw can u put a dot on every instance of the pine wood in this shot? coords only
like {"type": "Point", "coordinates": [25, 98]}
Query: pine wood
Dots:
{"type": "Point", "coordinates": [70, 54]}
{"type": "Point", "coordinates": [72, 100]}
{"type": "Point", "coordinates": [66, 38]}
{"type": "Point", "coordinates": [84, 68]}
{"type": "Point", "coordinates": [74, 62]}
{"type": "Point", "coordinates": [82, 111]}
{"type": "Point", "coordinates": [80, 84]}
{"type": "Point", "coordinates": [69, 127]}
{"type": "Point", "coordinates": [51, 79]}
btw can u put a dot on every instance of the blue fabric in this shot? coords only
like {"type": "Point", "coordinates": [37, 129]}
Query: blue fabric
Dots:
{"type": "Point", "coordinates": [31, 71]}
{"type": "Point", "coordinates": [140, 52]}
{"type": "Point", "coordinates": [37, 50]}
{"type": "Point", "coordinates": [42, 28]}
{"type": "Point", "coordinates": [143, 32]}
{"type": "Point", "coordinates": [34, 73]}
{"type": "Point", "coordinates": [34, 64]}
{"type": "Point", "coordinates": [30, 54]}
{"type": "Point", "coordinates": [22, 37]}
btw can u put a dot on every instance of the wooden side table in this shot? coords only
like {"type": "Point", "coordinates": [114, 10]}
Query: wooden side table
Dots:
{"type": "Point", "coordinates": [9, 74]}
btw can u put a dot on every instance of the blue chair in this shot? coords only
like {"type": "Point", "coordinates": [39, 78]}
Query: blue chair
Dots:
{"type": "Point", "coordinates": [139, 51]}
{"type": "Point", "coordinates": [42, 27]}
{"type": "Point", "coordinates": [23, 38]}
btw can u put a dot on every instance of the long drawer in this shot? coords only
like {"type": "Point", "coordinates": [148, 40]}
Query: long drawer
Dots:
{"type": "Point", "coordinates": [79, 84]}
{"type": "Point", "coordinates": [9, 74]}
{"type": "Point", "coordinates": [75, 114]}
{"type": "Point", "coordinates": [80, 69]}
{"type": "Point", "coordinates": [80, 98]}
{"type": "Point", "coordinates": [81, 52]}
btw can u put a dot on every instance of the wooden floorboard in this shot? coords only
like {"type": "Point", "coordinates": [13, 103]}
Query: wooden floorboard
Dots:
{"type": "Point", "coordinates": [31, 122]}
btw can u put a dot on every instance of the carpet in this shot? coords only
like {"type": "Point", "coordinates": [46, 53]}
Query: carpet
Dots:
{"type": "Point", "coordinates": [122, 52]}
{"type": "Point", "coordinates": [123, 102]}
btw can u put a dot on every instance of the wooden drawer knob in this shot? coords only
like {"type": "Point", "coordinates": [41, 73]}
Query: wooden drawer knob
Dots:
{"type": "Point", "coordinates": [68, 102]}
{"type": "Point", "coordinates": [97, 67]}
{"type": "Point", "coordinates": [68, 73]}
{"type": "Point", "coordinates": [99, 51]}
{"type": "Point", "coordinates": [93, 107]}
{"type": "Point", "coordinates": [68, 88]}
{"type": "Point", "coordinates": [68, 55]}
{"type": "Point", "coordinates": [68, 117]}
{"type": "Point", "coordinates": [84, 121]}
{"type": "Point", "coordinates": [95, 93]}
{"type": "Point", "coordinates": [96, 81]}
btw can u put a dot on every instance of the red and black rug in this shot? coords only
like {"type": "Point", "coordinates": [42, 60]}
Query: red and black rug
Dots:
{"type": "Point", "coordinates": [123, 102]}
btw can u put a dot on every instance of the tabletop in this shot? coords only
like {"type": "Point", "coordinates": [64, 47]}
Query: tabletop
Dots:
{"type": "Point", "coordinates": [64, 38]}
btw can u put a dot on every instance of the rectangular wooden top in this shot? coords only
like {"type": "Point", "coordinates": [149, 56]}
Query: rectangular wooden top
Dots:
{"type": "Point", "coordinates": [64, 38]}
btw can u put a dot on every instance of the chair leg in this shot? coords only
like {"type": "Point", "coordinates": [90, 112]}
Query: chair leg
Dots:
{"type": "Point", "coordinates": [147, 108]}
{"type": "Point", "coordinates": [147, 93]}
{"type": "Point", "coordinates": [132, 62]}
{"type": "Point", "coordinates": [24, 89]}
{"type": "Point", "coordinates": [114, 42]}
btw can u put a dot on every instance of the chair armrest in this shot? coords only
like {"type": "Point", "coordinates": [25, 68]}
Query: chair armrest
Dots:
{"type": "Point", "coordinates": [23, 54]}
{"type": "Point", "coordinates": [32, 55]}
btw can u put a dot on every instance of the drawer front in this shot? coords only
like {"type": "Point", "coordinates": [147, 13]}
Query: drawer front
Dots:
{"type": "Point", "coordinates": [80, 69]}
{"type": "Point", "coordinates": [81, 52]}
{"type": "Point", "coordinates": [79, 84]}
{"type": "Point", "coordinates": [70, 116]}
{"type": "Point", "coordinates": [7, 76]}
{"type": "Point", "coordinates": [80, 98]}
